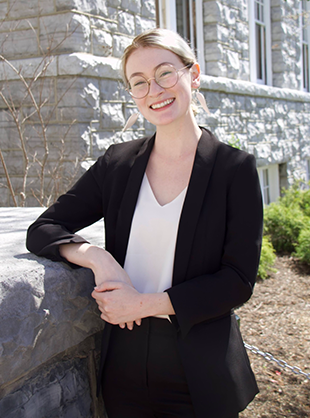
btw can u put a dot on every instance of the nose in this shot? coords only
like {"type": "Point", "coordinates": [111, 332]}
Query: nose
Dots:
{"type": "Point", "coordinates": [154, 88]}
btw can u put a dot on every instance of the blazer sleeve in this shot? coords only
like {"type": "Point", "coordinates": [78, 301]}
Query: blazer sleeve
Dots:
{"type": "Point", "coordinates": [81, 206]}
{"type": "Point", "coordinates": [212, 296]}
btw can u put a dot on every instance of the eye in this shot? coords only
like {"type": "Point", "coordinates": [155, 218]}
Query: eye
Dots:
{"type": "Point", "coordinates": [165, 73]}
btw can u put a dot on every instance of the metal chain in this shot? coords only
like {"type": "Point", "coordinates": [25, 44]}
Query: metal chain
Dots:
{"type": "Point", "coordinates": [280, 363]}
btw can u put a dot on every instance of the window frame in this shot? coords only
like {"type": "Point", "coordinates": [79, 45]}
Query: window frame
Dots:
{"type": "Point", "coordinates": [305, 42]}
{"type": "Point", "coordinates": [167, 18]}
{"type": "Point", "coordinates": [273, 186]}
{"type": "Point", "coordinates": [266, 53]}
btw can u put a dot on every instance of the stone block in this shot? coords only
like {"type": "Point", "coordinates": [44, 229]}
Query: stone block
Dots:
{"type": "Point", "coordinates": [214, 51]}
{"type": "Point", "coordinates": [46, 7]}
{"type": "Point", "coordinates": [29, 68]}
{"type": "Point", "coordinates": [149, 9]}
{"type": "Point", "coordinates": [120, 42]}
{"type": "Point", "coordinates": [14, 162]}
{"type": "Point", "coordinates": [113, 90]}
{"type": "Point", "coordinates": [15, 92]}
{"type": "Point", "coordinates": [7, 26]}
{"type": "Point", "coordinates": [233, 64]}
{"type": "Point", "coordinates": [126, 23]}
{"type": "Point", "coordinates": [216, 68]}
{"type": "Point", "coordinates": [4, 8]}
{"type": "Point", "coordinates": [210, 33]}
{"type": "Point", "coordinates": [227, 105]}
{"type": "Point", "coordinates": [23, 8]}
{"type": "Point", "coordinates": [262, 151]}
{"type": "Point", "coordinates": [68, 33]}
{"type": "Point", "coordinates": [114, 3]}
{"type": "Point", "coordinates": [132, 5]}
{"type": "Point", "coordinates": [256, 131]}
{"type": "Point", "coordinates": [46, 113]}
{"type": "Point", "coordinates": [212, 12]}
{"type": "Point", "coordinates": [42, 298]}
{"type": "Point", "coordinates": [79, 64]}
{"type": "Point", "coordinates": [102, 42]}
{"type": "Point", "coordinates": [213, 99]}
{"type": "Point", "coordinates": [102, 24]}
{"type": "Point", "coordinates": [242, 32]}
{"type": "Point", "coordinates": [143, 24]}
{"type": "Point", "coordinates": [228, 16]}
{"type": "Point", "coordinates": [21, 43]}
{"type": "Point", "coordinates": [82, 92]}
{"type": "Point", "coordinates": [102, 140]}
{"type": "Point", "coordinates": [95, 7]}
{"type": "Point", "coordinates": [112, 116]}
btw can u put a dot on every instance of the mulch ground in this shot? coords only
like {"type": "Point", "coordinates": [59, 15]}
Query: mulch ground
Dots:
{"type": "Point", "coordinates": [277, 321]}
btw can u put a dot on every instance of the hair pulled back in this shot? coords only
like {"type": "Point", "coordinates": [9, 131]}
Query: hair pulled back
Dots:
{"type": "Point", "coordinates": [160, 38]}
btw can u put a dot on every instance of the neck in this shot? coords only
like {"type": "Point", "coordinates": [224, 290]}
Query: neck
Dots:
{"type": "Point", "coordinates": [177, 140]}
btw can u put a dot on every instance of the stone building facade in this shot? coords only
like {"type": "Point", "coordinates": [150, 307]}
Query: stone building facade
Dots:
{"type": "Point", "coordinates": [252, 54]}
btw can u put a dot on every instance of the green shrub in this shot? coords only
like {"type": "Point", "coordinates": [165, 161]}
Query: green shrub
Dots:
{"type": "Point", "coordinates": [283, 223]}
{"type": "Point", "coordinates": [303, 248]}
{"type": "Point", "coordinates": [267, 259]}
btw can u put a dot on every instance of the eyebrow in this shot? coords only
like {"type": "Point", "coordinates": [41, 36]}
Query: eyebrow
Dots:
{"type": "Point", "coordinates": [155, 68]}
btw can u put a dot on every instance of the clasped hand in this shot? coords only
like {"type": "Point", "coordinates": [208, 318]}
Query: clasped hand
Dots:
{"type": "Point", "coordinates": [118, 301]}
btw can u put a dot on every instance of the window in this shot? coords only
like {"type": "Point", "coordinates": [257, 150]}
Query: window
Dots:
{"type": "Point", "coordinates": [305, 40]}
{"type": "Point", "coordinates": [265, 186]}
{"type": "Point", "coordinates": [184, 17]}
{"type": "Point", "coordinates": [260, 41]}
{"type": "Point", "coordinates": [269, 182]}
{"type": "Point", "coordinates": [308, 171]}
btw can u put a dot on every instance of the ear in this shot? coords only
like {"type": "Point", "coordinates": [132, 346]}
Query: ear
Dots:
{"type": "Point", "coordinates": [195, 72]}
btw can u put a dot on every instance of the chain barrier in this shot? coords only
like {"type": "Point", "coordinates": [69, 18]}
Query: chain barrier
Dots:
{"type": "Point", "coordinates": [280, 363]}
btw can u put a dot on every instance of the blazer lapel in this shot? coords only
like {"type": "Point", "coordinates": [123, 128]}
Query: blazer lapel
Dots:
{"type": "Point", "coordinates": [202, 169]}
{"type": "Point", "coordinates": [129, 200]}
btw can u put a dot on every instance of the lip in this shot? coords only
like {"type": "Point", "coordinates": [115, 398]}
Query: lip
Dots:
{"type": "Point", "coordinates": [163, 104]}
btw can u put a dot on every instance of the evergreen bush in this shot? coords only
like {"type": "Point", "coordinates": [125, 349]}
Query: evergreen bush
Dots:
{"type": "Point", "coordinates": [303, 248]}
{"type": "Point", "coordinates": [283, 223]}
{"type": "Point", "coordinates": [267, 258]}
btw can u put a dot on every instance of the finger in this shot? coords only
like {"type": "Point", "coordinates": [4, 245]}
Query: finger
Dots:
{"type": "Point", "coordinates": [130, 325]}
{"type": "Point", "coordinates": [138, 321]}
{"type": "Point", "coordinates": [107, 286]}
{"type": "Point", "coordinates": [122, 325]}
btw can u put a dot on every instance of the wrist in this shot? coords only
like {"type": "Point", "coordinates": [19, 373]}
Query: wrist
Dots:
{"type": "Point", "coordinates": [156, 304]}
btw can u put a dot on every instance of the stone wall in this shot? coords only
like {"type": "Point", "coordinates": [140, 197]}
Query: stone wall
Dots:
{"type": "Point", "coordinates": [75, 46]}
{"type": "Point", "coordinates": [83, 104]}
{"type": "Point", "coordinates": [50, 329]}
{"type": "Point", "coordinates": [271, 123]}
{"type": "Point", "coordinates": [226, 34]}
{"type": "Point", "coordinates": [286, 46]}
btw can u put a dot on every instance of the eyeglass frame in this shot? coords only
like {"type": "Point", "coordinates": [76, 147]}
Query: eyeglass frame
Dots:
{"type": "Point", "coordinates": [153, 78]}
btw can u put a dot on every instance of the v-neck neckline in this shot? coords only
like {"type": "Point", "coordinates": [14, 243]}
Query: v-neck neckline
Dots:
{"type": "Point", "coordinates": [182, 193]}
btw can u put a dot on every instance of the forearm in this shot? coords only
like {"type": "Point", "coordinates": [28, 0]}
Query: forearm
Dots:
{"type": "Point", "coordinates": [83, 254]}
{"type": "Point", "coordinates": [153, 304]}
{"type": "Point", "coordinates": [101, 262]}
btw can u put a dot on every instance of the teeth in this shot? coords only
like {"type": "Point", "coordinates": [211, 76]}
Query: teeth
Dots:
{"type": "Point", "coordinates": [162, 104]}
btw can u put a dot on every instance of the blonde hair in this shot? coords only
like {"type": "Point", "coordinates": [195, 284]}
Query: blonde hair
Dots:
{"type": "Point", "coordinates": [160, 38]}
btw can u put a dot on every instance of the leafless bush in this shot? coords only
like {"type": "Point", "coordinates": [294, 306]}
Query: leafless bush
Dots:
{"type": "Point", "coordinates": [27, 105]}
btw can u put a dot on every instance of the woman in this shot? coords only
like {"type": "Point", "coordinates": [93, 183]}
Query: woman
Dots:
{"type": "Point", "coordinates": [183, 224]}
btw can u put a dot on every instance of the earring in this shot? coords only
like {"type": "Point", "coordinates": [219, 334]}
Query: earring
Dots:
{"type": "Point", "coordinates": [130, 121]}
{"type": "Point", "coordinates": [201, 99]}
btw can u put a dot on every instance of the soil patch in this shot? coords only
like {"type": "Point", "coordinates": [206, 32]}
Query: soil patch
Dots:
{"type": "Point", "coordinates": [277, 320]}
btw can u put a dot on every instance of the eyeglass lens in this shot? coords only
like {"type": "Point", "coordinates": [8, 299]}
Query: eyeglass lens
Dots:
{"type": "Point", "coordinates": [166, 76]}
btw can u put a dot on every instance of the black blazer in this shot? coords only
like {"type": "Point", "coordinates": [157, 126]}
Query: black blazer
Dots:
{"type": "Point", "coordinates": [216, 258]}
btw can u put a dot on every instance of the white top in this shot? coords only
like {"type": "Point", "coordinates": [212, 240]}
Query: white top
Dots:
{"type": "Point", "coordinates": [151, 246]}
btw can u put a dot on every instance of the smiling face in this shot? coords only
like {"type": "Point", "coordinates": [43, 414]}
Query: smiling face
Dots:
{"type": "Point", "coordinates": [163, 106]}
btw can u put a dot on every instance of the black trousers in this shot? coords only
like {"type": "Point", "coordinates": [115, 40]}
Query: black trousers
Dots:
{"type": "Point", "coordinates": [143, 376]}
